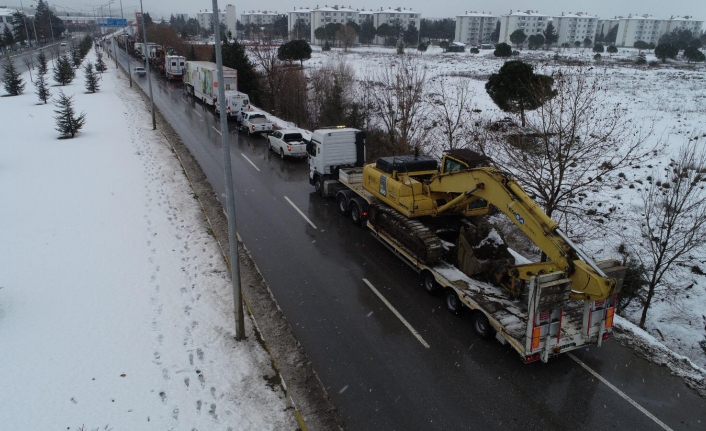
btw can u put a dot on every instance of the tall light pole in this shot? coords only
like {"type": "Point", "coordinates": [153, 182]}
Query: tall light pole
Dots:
{"type": "Point", "coordinates": [51, 26]}
{"type": "Point", "coordinates": [149, 75]}
{"type": "Point", "coordinates": [24, 18]}
{"type": "Point", "coordinates": [127, 57]}
{"type": "Point", "coordinates": [230, 204]}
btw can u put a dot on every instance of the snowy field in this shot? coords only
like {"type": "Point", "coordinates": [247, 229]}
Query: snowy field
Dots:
{"type": "Point", "coordinates": [115, 305]}
{"type": "Point", "coordinates": [670, 96]}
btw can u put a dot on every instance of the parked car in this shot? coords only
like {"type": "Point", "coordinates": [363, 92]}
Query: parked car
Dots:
{"type": "Point", "coordinates": [139, 70]}
{"type": "Point", "coordinates": [62, 44]}
{"type": "Point", "coordinates": [255, 123]}
{"type": "Point", "coordinates": [287, 143]}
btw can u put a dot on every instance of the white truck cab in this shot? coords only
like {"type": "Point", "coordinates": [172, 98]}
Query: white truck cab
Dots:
{"type": "Point", "coordinates": [332, 149]}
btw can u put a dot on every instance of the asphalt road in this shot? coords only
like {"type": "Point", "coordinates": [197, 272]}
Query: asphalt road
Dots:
{"type": "Point", "coordinates": [377, 373]}
{"type": "Point", "coordinates": [49, 50]}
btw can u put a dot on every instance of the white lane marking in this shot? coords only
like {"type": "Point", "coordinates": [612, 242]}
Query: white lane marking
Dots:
{"type": "Point", "coordinates": [184, 100]}
{"type": "Point", "coordinates": [218, 131]}
{"type": "Point", "coordinates": [621, 393]}
{"type": "Point", "coordinates": [399, 316]}
{"type": "Point", "coordinates": [250, 161]}
{"type": "Point", "coordinates": [301, 213]}
{"type": "Point", "coordinates": [197, 112]}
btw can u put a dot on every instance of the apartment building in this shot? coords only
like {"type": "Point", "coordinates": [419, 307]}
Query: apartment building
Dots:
{"type": "Point", "coordinates": [226, 16]}
{"type": "Point", "coordinates": [298, 14]}
{"type": "Point", "coordinates": [531, 22]}
{"type": "Point", "coordinates": [391, 16]}
{"type": "Point", "coordinates": [334, 14]}
{"type": "Point", "coordinates": [686, 23]}
{"type": "Point", "coordinates": [259, 18]}
{"type": "Point", "coordinates": [575, 27]}
{"type": "Point", "coordinates": [475, 28]}
{"type": "Point", "coordinates": [643, 27]}
{"type": "Point", "coordinates": [6, 18]}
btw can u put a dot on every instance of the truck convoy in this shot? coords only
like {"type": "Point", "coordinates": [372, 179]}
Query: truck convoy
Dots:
{"type": "Point", "coordinates": [174, 66]}
{"type": "Point", "coordinates": [433, 216]}
{"type": "Point", "coordinates": [201, 80]}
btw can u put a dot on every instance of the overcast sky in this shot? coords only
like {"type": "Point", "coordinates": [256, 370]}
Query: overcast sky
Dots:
{"type": "Point", "coordinates": [429, 9]}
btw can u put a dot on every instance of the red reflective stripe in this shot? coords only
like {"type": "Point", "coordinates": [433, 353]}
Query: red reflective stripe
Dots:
{"type": "Point", "coordinates": [561, 319]}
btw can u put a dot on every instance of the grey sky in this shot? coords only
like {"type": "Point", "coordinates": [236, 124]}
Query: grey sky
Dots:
{"type": "Point", "coordinates": [429, 9]}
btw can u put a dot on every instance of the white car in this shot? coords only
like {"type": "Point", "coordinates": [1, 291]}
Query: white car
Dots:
{"type": "Point", "coordinates": [139, 70]}
{"type": "Point", "coordinates": [62, 44]}
{"type": "Point", "coordinates": [287, 143]}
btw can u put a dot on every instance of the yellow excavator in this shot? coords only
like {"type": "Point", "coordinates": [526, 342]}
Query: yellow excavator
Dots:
{"type": "Point", "coordinates": [422, 203]}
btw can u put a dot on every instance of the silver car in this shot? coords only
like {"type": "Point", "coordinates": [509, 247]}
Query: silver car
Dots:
{"type": "Point", "coordinates": [139, 70]}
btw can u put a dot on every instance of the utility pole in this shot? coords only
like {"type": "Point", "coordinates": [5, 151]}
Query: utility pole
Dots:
{"type": "Point", "coordinates": [230, 204]}
{"type": "Point", "coordinates": [149, 75]}
{"type": "Point", "coordinates": [127, 56]}
{"type": "Point", "coordinates": [24, 18]}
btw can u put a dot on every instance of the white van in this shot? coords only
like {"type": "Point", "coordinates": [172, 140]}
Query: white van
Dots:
{"type": "Point", "coordinates": [237, 101]}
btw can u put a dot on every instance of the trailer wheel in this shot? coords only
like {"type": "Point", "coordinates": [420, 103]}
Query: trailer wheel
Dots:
{"type": "Point", "coordinates": [319, 185]}
{"type": "Point", "coordinates": [355, 212]}
{"type": "Point", "coordinates": [453, 304]}
{"type": "Point", "coordinates": [429, 283]}
{"type": "Point", "coordinates": [343, 204]}
{"type": "Point", "coordinates": [481, 325]}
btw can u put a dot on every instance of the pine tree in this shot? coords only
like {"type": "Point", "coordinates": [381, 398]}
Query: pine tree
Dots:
{"type": "Point", "coordinates": [76, 57]}
{"type": "Point", "coordinates": [8, 38]}
{"type": "Point", "coordinates": [91, 78]}
{"type": "Point", "coordinates": [42, 89]}
{"type": "Point", "coordinates": [11, 79]}
{"type": "Point", "coordinates": [641, 58]}
{"type": "Point", "coordinates": [67, 122]}
{"type": "Point", "coordinates": [63, 71]}
{"type": "Point", "coordinates": [42, 67]}
{"type": "Point", "coordinates": [100, 65]}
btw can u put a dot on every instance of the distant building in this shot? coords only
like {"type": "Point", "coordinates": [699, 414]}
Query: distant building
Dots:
{"type": "Point", "coordinates": [633, 28]}
{"type": "Point", "coordinates": [575, 27]}
{"type": "Point", "coordinates": [6, 18]}
{"type": "Point", "coordinates": [226, 16]}
{"type": "Point", "coordinates": [259, 18]}
{"type": "Point", "coordinates": [475, 28]}
{"type": "Point", "coordinates": [391, 16]}
{"type": "Point", "coordinates": [686, 23]}
{"type": "Point", "coordinates": [335, 14]}
{"type": "Point", "coordinates": [303, 15]}
{"type": "Point", "coordinates": [531, 22]}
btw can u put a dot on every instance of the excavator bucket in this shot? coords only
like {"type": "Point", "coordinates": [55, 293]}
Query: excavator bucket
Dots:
{"type": "Point", "coordinates": [613, 269]}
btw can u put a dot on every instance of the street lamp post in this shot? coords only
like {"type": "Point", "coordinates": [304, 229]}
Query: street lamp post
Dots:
{"type": "Point", "coordinates": [230, 203]}
{"type": "Point", "coordinates": [51, 26]}
{"type": "Point", "coordinates": [24, 18]}
{"type": "Point", "coordinates": [127, 57]}
{"type": "Point", "coordinates": [149, 75]}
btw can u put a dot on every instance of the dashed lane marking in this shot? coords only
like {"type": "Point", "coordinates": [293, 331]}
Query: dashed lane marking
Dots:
{"type": "Point", "coordinates": [399, 316]}
{"type": "Point", "coordinates": [219, 132]}
{"type": "Point", "coordinates": [621, 393]}
{"type": "Point", "coordinates": [250, 161]}
{"type": "Point", "coordinates": [197, 112]}
{"type": "Point", "coordinates": [301, 213]}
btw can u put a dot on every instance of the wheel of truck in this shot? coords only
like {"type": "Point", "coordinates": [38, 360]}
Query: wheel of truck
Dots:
{"type": "Point", "coordinates": [281, 153]}
{"type": "Point", "coordinates": [355, 212]}
{"type": "Point", "coordinates": [343, 204]}
{"type": "Point", "coordinates": [481, 325]}
{"type": "Point", "coordinates": [319, 185]}
{"type": "Point", "coordinates": [453, 304]}
{"type": "Point", "coordinates": [429, 283]}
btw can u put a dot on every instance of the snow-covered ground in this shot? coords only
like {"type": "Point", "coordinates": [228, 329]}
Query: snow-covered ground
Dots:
{"type": "Point", "coordinates": [115, 304]}
{"type": "Point", "coordinates": [671, 96]}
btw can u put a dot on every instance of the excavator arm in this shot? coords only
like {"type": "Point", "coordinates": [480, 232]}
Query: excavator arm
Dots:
{"type": "Point", "coordinates": [589, 281]}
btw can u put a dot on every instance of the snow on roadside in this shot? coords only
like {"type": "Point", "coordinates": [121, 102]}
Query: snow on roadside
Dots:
{"type": "Point", "coordinates": [115, 305]}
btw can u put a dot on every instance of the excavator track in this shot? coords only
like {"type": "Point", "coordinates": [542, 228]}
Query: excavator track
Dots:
{"type": "Point", "coordinates": [416, 238]}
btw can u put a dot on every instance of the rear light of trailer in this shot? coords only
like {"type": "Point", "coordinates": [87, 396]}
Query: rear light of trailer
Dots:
{"type": "Point", "coordinates": [531, 358]}
{"type": "Point", "coordinates": [606, 336]}
{"type": "Point", "coordinates": [609, 317]}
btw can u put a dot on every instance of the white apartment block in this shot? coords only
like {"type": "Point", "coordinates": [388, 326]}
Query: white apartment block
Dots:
{"type": "Point", "coordinates": [259, 18]}
{"type": "Point", "coordinates": [475, 28]}
{"type": "Point", "coordinates": [335, 14]}
{"type": "Point", "coordinates": [644, 27]}
{"type": "Point", "coordinates": [301, 14]}
{"type": "Point", "coordinates": [227, 17]}
{"type": "Point", "coordinates": [575, 27]}
{"type": "Point", "coordinates": [390, 16]}
{"type": "Point", "coordinates": [530, 22]}
{"type": "Point", "coordinates": [686, 23]}
{"type": "Point", "coordinates": [6, 19]}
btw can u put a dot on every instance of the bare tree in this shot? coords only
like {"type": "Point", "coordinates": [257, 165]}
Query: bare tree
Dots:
{"type": "Point", "coordinates": [271, 67]}
{"type": "Point", "coordinates": [452, 113]}
{"type": "Point", "coordinates": [396, 93]}
{"type": "Point", "coordinates": [673, 226]}
{"type": "Point", "coordinates": [346, 36]}
{"type": "Point", "coordinates": [573, 147]}
{"type": "Point", "coordinates": [29, 62]}
{"type": "Point", "coordinates": [322, 82]}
